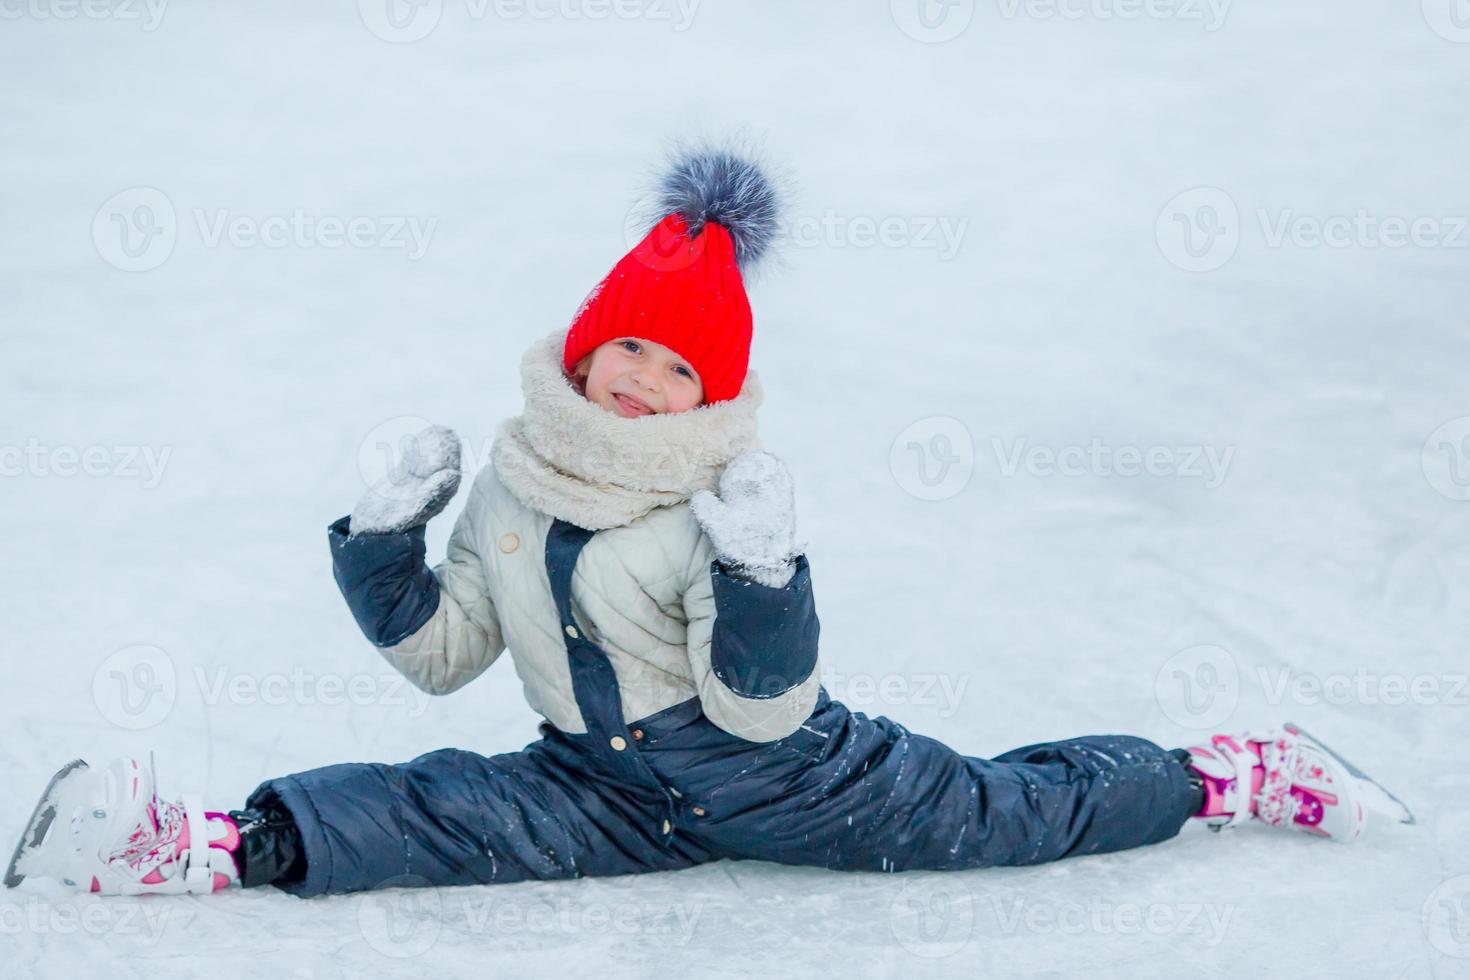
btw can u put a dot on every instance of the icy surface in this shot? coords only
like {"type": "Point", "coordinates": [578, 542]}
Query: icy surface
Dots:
{"type": "Point", "coordinates": [177, 594]}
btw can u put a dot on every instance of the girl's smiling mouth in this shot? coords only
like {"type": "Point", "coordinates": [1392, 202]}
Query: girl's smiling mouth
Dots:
{"type": "Point", "coordinates": [631, 405]}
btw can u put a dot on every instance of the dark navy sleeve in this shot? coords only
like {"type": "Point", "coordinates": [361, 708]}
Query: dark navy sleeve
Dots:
{"type": "Point", "coordinates": [764, 640]}
{"type": "Point", "coordinates": [386, 581]}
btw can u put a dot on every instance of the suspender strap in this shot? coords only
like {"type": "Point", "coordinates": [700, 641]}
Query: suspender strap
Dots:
{"type": "Point", "coordinates": [594, 683]}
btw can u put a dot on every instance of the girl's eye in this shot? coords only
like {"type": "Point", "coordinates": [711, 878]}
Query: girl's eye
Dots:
{"type": "Point", "coordinates": [631, 345]}
{"type": "Point", "coordinates": [684, 371]}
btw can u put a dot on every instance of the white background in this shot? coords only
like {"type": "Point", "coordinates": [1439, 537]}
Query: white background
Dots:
{"type": "Point", "coordinates": [1048, 603]}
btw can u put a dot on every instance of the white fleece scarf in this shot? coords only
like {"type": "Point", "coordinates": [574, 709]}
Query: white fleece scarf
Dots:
{"type": "Point", "coordinates": [573, 459]}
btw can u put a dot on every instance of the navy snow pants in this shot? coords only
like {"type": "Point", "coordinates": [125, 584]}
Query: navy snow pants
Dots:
{"type": "Point", "coordinates": [845, 792]}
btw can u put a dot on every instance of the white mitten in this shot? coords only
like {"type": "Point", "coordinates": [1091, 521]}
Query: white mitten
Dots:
{"type": "Point", "coordinates": [752, 521]}
{"type": "Point", "coordinates": [418, 486]}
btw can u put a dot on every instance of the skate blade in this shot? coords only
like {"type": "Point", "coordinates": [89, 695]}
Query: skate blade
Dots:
{"type": "Point", "coordinates": [1377, 797]}
{"type": "Point", "coordinates": [1379, 800]}
{"type": "Point", "coordinates": [39, 823]}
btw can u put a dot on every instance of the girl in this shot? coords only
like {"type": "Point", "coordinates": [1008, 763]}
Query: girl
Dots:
{"type": "Point", "coordinates": [634, 550]}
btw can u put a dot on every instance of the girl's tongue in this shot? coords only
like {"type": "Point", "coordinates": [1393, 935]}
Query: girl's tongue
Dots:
{"type": "Point", "coordinates": [630, 406]}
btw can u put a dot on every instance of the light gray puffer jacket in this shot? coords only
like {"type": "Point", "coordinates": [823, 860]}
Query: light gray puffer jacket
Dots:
{"type": "Point", "coordinates": [647, 588]}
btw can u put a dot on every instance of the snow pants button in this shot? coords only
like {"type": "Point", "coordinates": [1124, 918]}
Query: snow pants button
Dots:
{"type": "Point", "coordinates": [617, 742]}
{"type": "Point", "coordinates": [699, 811]}
{"type": "Point", "coordinates": [572, 632]}
{"type": "Point", "coordinates": [509, 542]}
{"type": "Point", "coordinates": [638, 733]}
{"type": "Point", "coordinates": [666, 826]}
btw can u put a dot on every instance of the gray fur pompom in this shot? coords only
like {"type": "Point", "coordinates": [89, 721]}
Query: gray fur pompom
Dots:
{"type": "Point", "coordinates": [710, 183]}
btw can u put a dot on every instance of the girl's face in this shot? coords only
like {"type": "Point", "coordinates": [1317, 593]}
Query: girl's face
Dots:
{"type": "Point", "coordinates": [632, 377]}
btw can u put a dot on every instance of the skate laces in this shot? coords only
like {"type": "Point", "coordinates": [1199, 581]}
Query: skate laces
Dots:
{"type": "Point", "coordinates": [157, 840]}
{"type": "Point", "coordinates": [1284, 763]}
{"type": "Point", "coordinates": [163, 844]}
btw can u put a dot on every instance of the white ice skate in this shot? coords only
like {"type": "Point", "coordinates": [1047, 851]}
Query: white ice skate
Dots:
{"type": "Point", "coordinates": [1283, 778]}
{"type": "Point", "coordinates": [106, 831]}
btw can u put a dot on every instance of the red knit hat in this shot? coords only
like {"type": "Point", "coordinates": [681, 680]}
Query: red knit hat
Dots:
{"type": "Point", "coordinates": [682, 286]}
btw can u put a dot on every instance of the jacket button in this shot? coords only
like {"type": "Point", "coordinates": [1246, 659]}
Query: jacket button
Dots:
{"type": "Point", "coordinates": [666, 826]}
{"type": "Point", "coordinates": [618, 743]}
{"type": "Point", "coordinates": [699, 811]}
{"type": "Point", "coordinates": [638, 733]}
{"type": "Point", "coordinates": [572, 632]}
{"type": "Point", "coordinates": [509, 542]}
